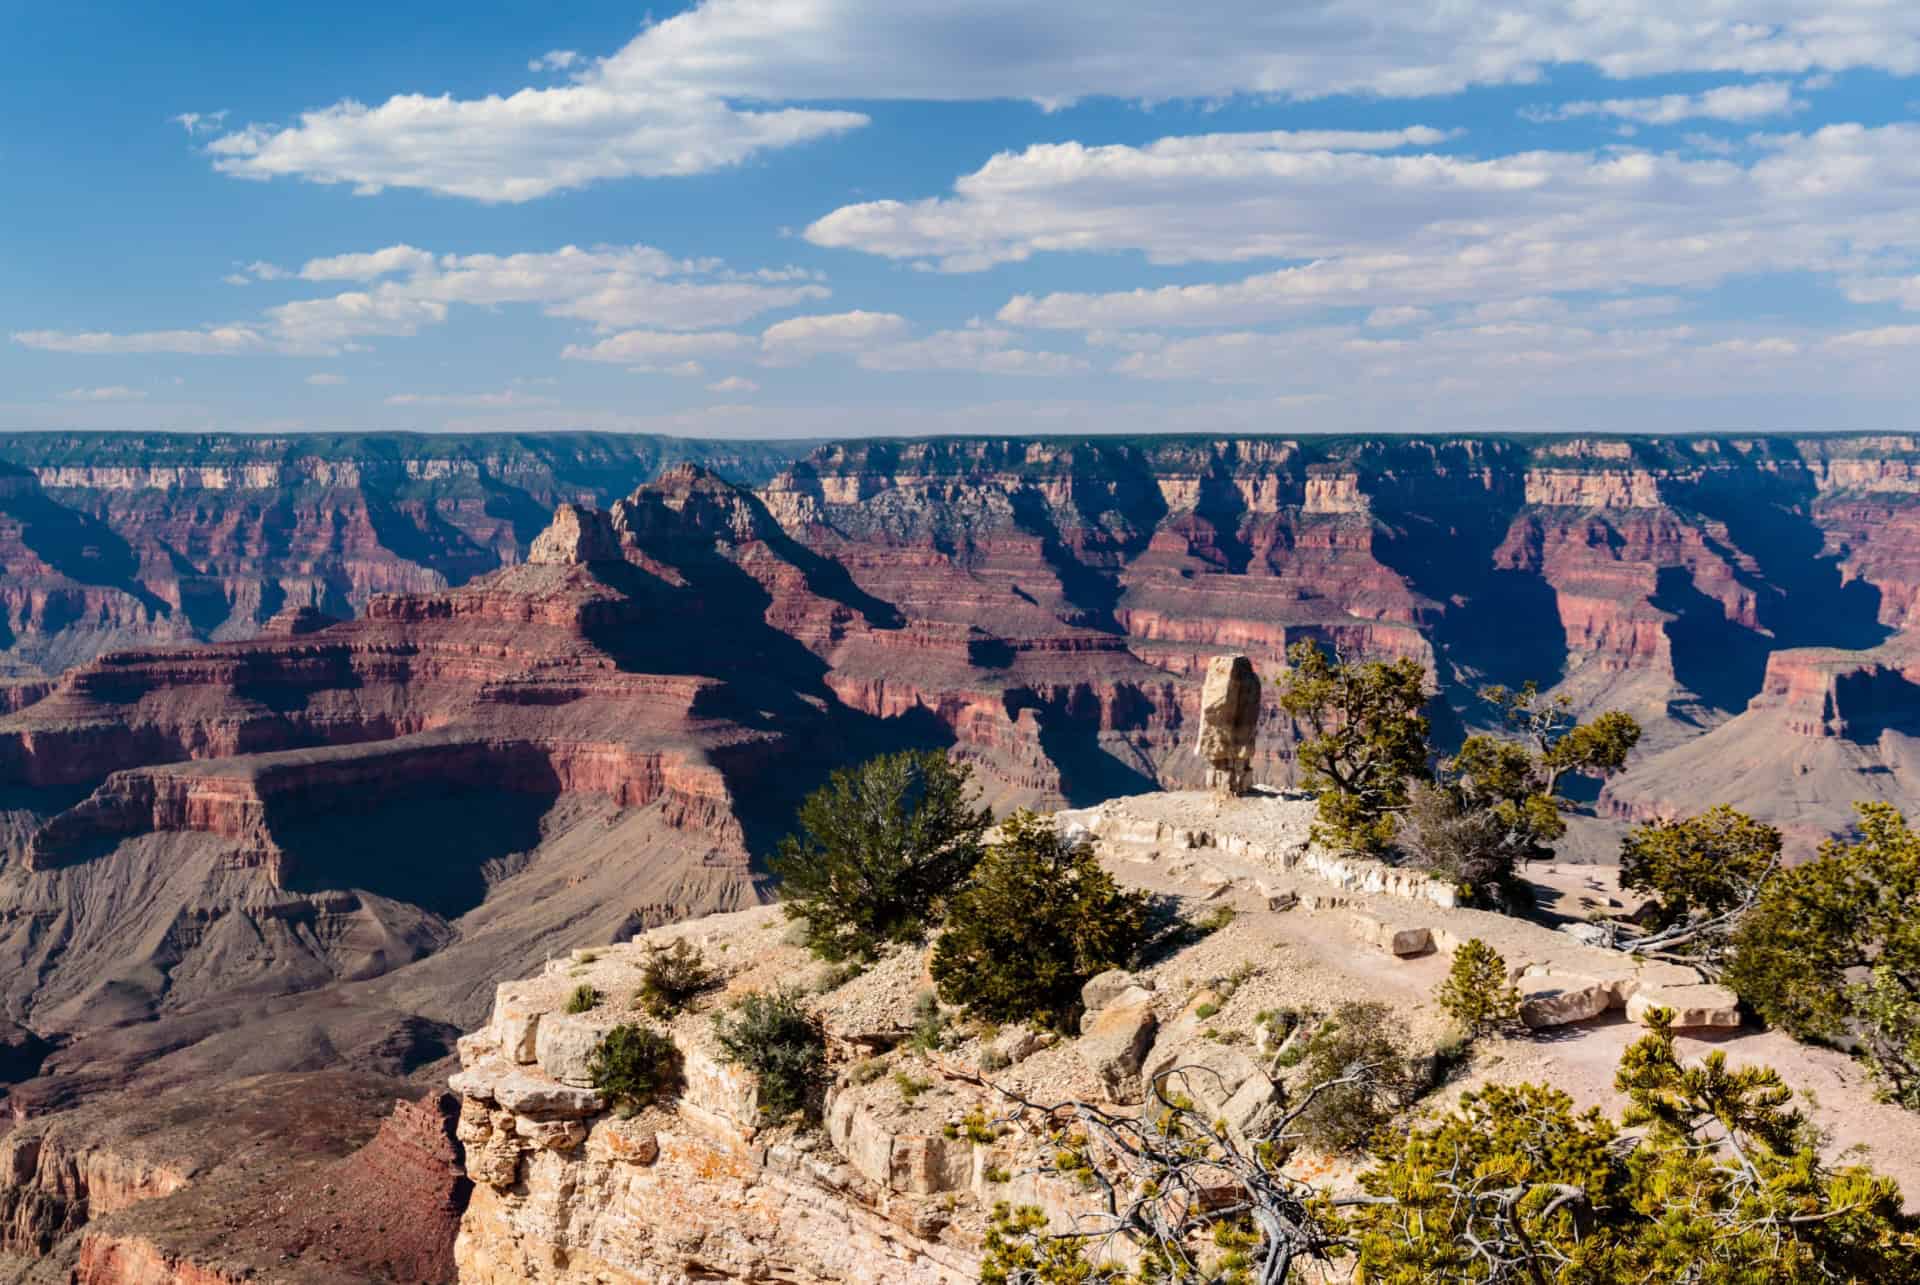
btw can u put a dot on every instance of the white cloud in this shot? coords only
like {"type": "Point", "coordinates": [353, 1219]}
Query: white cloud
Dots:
{"type": "Point", "coordinates": [801, 337]}
{"type": "Point", "coordinates": [554, 60]}
{"type": "Point", "coordinates": [199, 122]}
{"type": "Point", "coordinates": [1728, 102]}
{"type": "Point", "coordinates": [326, 379]}
{"type": "Point", "coordinates": [1419, 229]}
{"type": "Point", "coordinates": [324, 326]}
{"type": "Point", "coordinates": [258, 270]}
{"type": "Point", "coordinates": [213, 341]}
{"type": "Point", "coordinates": [112, 393]}
{"type": "Point", "coordinates": [408, 289]}
{"type": "Point", "coordinates": [370, 266]}
{"type": "Point", "coordinates": [1880, 337]}
{"type": "Point", "coordinates": [471, 401]}
{"type": "Point", "coordinates": [1395, 317]}
{"type": "Point", "coordinates": [796, 50]}
{"type": "Point", "coordinates": [660, 352]}
{"type": "Point", "coordinates": [519, 147]}
{"type": "Point", "coordinates": [668, 102]}
{"type": "Point", "coordinates": [734, 385]}
{"type": "Point", "coordinates": [981, 349]}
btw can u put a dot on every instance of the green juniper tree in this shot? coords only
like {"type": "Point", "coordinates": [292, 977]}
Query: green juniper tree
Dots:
{"type": "Point", "coordinates": [880, 848]}
{"type": "Point", "coordinates": [1365, 742]}
{"type": "Point", "coordinates": [1038, 918]}
{"type": "Point", "coordinates": [1831, 949]}
{"type": "Point", "coordinates": [1496, 803]}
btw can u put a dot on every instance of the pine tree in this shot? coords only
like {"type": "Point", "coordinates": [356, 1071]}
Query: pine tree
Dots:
{"type": "Point", "coordinates": [1477, 993]}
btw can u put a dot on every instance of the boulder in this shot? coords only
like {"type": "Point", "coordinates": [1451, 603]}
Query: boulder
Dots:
{"type": "Point", "coordinates": [1103, 989]}
{"type": "Point", "coordinates": [1113, 1043]}
{"type": "Point", "coordinates": [1229, 717]}
{"type": "Point", "coordinates": [1693, 1006]}
{"type": "Point", "coordinates": [1556, 1000]}
{"type": "Point", "coordinates": [1396, 939]}
{"type": "Point", "coordinates": [564, 1044]}
{"type": "Point", "coordinates": [527, 1094]}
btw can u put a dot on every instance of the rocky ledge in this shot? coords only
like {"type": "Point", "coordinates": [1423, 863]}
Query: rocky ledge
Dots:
{"type": "Point", "coordinates": [896, 1184]}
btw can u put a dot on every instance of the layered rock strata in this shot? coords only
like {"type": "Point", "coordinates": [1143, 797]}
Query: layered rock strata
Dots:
{"type": "Point", "coordinates": [896, 1185]}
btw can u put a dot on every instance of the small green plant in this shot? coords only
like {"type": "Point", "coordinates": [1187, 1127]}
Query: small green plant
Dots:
{"type": "Point", "coordinates": [996, 1175]}
{"type": "Point", "coordinates": [1291, 1056]}
{"type": "Point", "coordinates": [583, 999]}
{"type": "Point", "coordinates": [1359, 1052]}
{"type": "Point", "coordinates": [910, 1086]}
{"type": "Point", "coordinates": [673, 977]}
{"type": "Point", "coordinates": [780, 1043]}
{"type": "Point", "coordinates": [634, 1066]}
{"type": "Point", "coordinates": [586, 957]}
{"type": "Point", "coordinates": [1214, 920]}
{"type": "Point", "coordinates": [1477, 993]}
{"type": "Point", "coordinates": [993, 1059]}
{"type": "Point", "coordinates": [1206, 1010]}
{"type": "Point", "coordinates": [929, 1023]}
{"type": "Point", "coordinates": [832, 977]}
{"type": "Point", "coordinates": [1039, 917]}
{"type": "Point", "coordinates": [866, 1070]}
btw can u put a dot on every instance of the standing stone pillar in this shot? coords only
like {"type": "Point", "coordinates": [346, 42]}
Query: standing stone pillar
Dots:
{"type": "Point", "coordinates": [1229, 715]}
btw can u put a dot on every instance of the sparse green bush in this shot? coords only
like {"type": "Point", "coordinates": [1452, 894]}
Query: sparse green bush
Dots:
{"type": "Point", "coordinates": [673, 977]}
{"type": "Point", "coordinates": [583, 999]}
{"type": "Point", "coordinates": [1365, 742]}
{"type": "Point", "coordinates": [880, 849]}
{"type": "Point", "coordinates": [1699, 867]}
{"type": "Point", "coordinates": [1206, 1010]}
{"type": "Point", "coordinates": [1359, 1054]}
{"type": "Point", "coordinates": [992, 1059]}
{"type": "Point", "coordinates": [1037, 920]}
{"type": "Point", "coordinates": [866, 1070]}
{"type": "Point", "coordinates": [910, 1086]}
{"type": "Point", "coordinates": [635, 1066]}
{"type": "Point", "coordinates": [1476, 993]}
{"type": "Point", "coordinates": [929, 1023]}
{"type": "Point", "coordinates": [1831, 949]}
{"type": "Point", "coordinates": [782, 1046]}
{"type": "Point", "coordinates": [1213, 921]}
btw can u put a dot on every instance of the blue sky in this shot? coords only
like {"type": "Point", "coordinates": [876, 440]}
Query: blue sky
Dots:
{"type": "Point", "coordinates": [813, 217]}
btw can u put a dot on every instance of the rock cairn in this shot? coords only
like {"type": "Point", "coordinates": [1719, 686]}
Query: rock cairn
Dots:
{"type": "Point", "coordinates": [1229, 714]}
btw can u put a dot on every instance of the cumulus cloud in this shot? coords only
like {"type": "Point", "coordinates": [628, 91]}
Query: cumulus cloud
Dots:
{"type": "Point", "coordinates": [1729, 103]}
{"type": "Point", "coordinates": [407, 289]}
{"type": "Point", "coordinates": [984, 350]}
{"type": "Point", "coordinates": [660, 352]}
{"type": "Point", "coordinates": [1419, 228]}
{"type": "Point", "coordinates": [472, 401]}
{"type": "Point", "coordinates": [199, 122]}
{"type": "Point", "coordinates": [1394, 317]}
{"type": "Point", "coordinates": [788, 50]}
{"type": "Point", "coordinates": [670, 101]}
{"type": "Point", "coordinates": [368, 266]}
{"type": "Point", "coordinates": [800, 337]}
{"type": "Point", "coordinates": [519, 147]}
{"type": "Point", "coordinates": [111, 393]}
{"type": "Point", "coordinates": [734, 385]}
{"type": "Point", "coordinates": [212, 341]}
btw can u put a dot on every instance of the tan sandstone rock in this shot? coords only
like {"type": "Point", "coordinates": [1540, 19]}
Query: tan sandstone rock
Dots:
{"type": "Point", "coordinates": [1693, 1006]}
{"type": "Point", "coordinates": [1557, 1000]}
{"type": "Point", "coordinates": [1229, 716]}
{"type": "Point", "coordinates": [576, 534]}
{"type": "Point", "coordinates": [1114, 1042]}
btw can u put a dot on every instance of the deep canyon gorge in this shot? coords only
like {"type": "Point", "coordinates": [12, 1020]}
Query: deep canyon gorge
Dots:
{"type": "Point", "coordinates": [309, 742]}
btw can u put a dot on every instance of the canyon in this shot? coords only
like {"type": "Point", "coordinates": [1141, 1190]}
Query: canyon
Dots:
{"type": "Point", "coordinates": [306, 743]}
